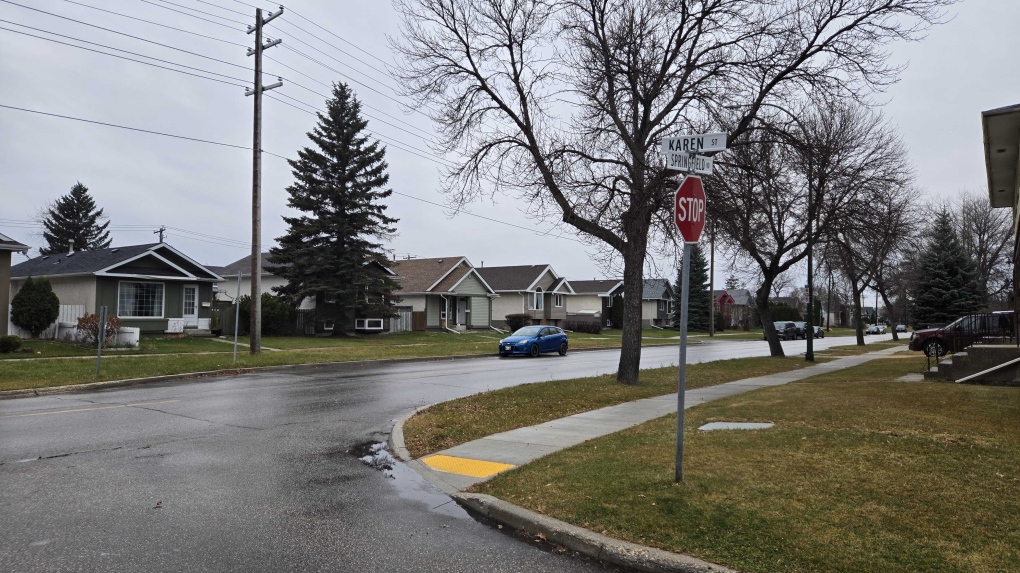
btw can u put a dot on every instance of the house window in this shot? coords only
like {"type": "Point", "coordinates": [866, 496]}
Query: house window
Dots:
{"type": "Point", "coordinates": [368, 324]}
{"type": "Point", "coordinates": [558, 301]}
{"type": "Point", "coordinates": [140, 300]}
{"type": "Point", "coordinates": [662, 305]}
{"type": "Point", "coordinates": [537, 300]}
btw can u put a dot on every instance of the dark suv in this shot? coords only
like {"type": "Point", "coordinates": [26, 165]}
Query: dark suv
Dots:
{"type": "Point", "coordinates": [964, 332]}
{"type": "Point", "coordinates": [786, 330]}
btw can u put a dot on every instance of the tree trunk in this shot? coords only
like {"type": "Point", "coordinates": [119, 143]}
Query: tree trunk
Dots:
{"type": "Point", "coordinates": [761, 300]}
{"type": "Point", "coordinates": [885, 301]}
{"type": "Point", "coordinates": [633, 288]}
{"type": "Point", "coordinates": [857, 312]}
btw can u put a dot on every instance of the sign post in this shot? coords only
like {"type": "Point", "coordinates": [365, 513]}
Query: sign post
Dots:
{"type": "Point", "coordinates": [689, 216]}
{"type": "Point", "coordinates": [102, 336]}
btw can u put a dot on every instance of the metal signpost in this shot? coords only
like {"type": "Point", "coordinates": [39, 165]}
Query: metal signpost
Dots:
{"type": "Point", "coordinates": [102, 336]}
{"type": "Point", "coordinates": [689, 204]}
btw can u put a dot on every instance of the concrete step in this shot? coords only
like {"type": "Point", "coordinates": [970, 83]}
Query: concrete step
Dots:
{"type": "Point", "coordinates": [198, 332]}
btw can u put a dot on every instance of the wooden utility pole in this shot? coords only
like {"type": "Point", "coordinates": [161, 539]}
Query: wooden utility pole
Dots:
{"type": "Point", "coordinates": [255, 325]}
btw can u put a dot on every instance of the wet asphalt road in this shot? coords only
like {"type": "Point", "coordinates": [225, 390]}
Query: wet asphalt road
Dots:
{"type": "Point", "coordinates": [253, 473]}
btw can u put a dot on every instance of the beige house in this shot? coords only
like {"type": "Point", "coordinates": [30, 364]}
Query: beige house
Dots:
{"type": "Point", "coordinates": [444, 293]}
{"type": "Point", "coordinates": [534, 290]}
{"type": "Point", "coordinates": [8, 247]}
{"type": "Point", "coordinates": [593, 300]}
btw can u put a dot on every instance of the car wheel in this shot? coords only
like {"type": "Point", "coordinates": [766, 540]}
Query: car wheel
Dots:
{"type": "Point", "coordinates": [934, 348]}
{"type": "Point", "coordinates": [534, 350]}
{"type": "Point", "coordinates": [563, 349]}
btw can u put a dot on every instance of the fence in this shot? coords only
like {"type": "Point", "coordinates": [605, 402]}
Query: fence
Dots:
{"type": "Point", "coordinates": [69, 313]}
{"type": "Point", "coordinates": [403, 321]}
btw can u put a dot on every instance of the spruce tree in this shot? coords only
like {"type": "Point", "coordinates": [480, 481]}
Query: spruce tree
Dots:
{"type": "Point", "coordinates": [74, 221]}
{"type": "Point", "coordinates": [946, 285]}
{"type": "Point", "coordinates": [339, 186]}
{"type": "Point", "coordinates": [699, 298]}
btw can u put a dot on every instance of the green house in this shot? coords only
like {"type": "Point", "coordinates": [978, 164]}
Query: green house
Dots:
{"type": "Point", "coordinates": [155, 288]}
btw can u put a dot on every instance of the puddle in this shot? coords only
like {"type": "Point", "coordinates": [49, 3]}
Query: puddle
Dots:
{"type": "Point", "coordinates": [736, 426]}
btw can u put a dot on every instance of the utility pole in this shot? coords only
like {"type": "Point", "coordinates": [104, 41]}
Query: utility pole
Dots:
{"type": "Point", "coordinates": [160, 232]}
{"type": "Point", "coordinates": [255, 328]}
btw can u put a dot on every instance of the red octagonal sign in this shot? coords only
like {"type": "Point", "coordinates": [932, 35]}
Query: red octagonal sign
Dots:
{"type": "Point", "coordinates": [689, 208]}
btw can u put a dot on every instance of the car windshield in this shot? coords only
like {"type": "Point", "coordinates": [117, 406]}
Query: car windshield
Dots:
{"type": "Point", "coordinates": [779, 324]}
{"type": "Point", "coordinates": [528, 331]}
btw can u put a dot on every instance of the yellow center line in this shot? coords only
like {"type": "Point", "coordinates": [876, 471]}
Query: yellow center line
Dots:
{"type": "Point", "coordinates": [89, 409]}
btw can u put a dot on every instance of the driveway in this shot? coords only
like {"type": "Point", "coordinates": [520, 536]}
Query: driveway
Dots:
{"type": "Point", "coordinates": [259, 473]}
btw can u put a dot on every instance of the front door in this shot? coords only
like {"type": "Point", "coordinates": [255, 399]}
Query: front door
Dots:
{"type": "Point", "coordinates": [190, 312]}
{"type": "Point", "coordinates": [462, 310]}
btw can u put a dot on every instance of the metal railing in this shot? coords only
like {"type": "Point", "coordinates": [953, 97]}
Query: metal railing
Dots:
{"type": "Point", "coordinates": [984, 328]}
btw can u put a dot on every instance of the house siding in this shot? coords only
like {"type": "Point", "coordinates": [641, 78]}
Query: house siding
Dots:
{"type": "Point", "coordinates": [546, 281]}
{"type": "Point", "coordinates": [230, 286]}
{"type": "Point", "coordinates": [5, 290]}
{"type": "Point", "coordinates": [471, 286]}
{"type": "Point", "coordinates": [415, 301]}
{"type": "Point", "coordinates": [507, 303]}
{"type": "Point", "coordinates": [106, 289]}
{"type": "Point", "coordinates": [70, 290]}
{"type": "Point", "coordinates": [433, 308]}
{"type": "Point", "coordinates": [479, 312]}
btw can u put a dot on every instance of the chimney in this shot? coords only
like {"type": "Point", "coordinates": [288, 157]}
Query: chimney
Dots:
{"type": "Point", "coordinates": [71, 247]}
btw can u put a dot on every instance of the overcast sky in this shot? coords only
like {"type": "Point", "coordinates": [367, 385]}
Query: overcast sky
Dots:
{"type": "Point", "coordinates": [202, 192]}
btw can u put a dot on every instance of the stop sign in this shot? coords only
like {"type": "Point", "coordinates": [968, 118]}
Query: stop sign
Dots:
{"type": "Point", "coordinates": [689, 208]}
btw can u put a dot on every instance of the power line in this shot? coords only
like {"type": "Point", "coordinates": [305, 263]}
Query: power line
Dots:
{"type": "Point", "coordinates": [355, 58]}
{"type": "Point", "coordinates": [118, 14]}
{"type": "Point", "coordinates": [229, 27]}
{"type": "Point", "coordinates": [130, 59]}
{"type": "Point", "coordinates": [151, 132]}
{"type": "Point", "coordinates": [223, 8]}
{"type": "Point", "coordinates": [196, 10]}
{"type": "Point", "coordinates": [313, 23]}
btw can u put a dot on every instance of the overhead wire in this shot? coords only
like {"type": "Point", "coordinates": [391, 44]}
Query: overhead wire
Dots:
{"type": "Point", "coordinates": [199, 11]}
{"type": "Point", "coordinates": [194, 16]}
{"type": "Point", "coordinates": [222, 144]}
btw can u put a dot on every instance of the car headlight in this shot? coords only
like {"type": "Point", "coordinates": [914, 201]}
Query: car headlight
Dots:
{"type": "Point", "coordinates": [522, 343]}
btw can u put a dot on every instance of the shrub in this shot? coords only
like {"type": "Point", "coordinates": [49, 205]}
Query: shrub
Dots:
{"type": "Point", "coordinates": [9, 344]}
{"type": "Point", "coordinates": [35, 307]}
{"type": "Point", "coordinates": [720, 323]}
{"type": "Point", "coordinates": [88, 330]}
{"type": "Point", "coordinates": [585, 326]}
{"type": "Point", "coordinates": [515, 321]}
{"type": "Point", "coordinates": [277, 314]}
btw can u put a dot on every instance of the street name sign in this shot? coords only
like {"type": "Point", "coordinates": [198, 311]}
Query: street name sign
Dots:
{"type": "Point", "coordinates": [701, 143]}
{"type": "Point", "coordinates": [689, 209]}
{"type": "Point", "coordinates": [689, 162]}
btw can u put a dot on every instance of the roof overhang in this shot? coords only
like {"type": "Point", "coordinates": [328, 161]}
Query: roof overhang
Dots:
{"type": "Point", "coordinates": [1001, 129]}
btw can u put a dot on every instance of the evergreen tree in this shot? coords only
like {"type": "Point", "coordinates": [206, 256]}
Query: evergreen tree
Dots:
{"type": "Point", "coordinates": [946, 285]}
{"type": "Point", "coordinates": [328, 250]}
{"type": "Point", "coordinates": [74, 221]}
{"type": "Point", "coordinates": [35, 307]}
{"type": "Point", "coordinates": [699, 298]}
{"type": "Point", "coordinates": [732, 283]}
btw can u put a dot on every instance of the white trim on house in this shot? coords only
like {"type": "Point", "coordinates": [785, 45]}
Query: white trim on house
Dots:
{"type": "Point", "coordinates": [368, 323]}
{"type": "Point", "coordinates": [189, 259]}
{"type": "Point", "coordinates": [466, 275]}
{"type": "Point", "coordinates": [184, 303]}
{"type": "Point", "coordinates": [536, 299]}
{"type": "Point", "coordinates": [108, 270]}
{"type": "Point", "coordinates": [557, 300]}
{"type": "Point", "coordinates": [547, 269]}
{"type": "Point", "coordinates": [162, 307]}
{"type": "Point", "coordinates": [447, 273]}
{"type": "Point", "coordinates": [565, 282]}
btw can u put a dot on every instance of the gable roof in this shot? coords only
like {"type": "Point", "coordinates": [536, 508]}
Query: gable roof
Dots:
{"type": "Point", "coordinates": [9, 244]}
{"type": "Point", "coordinates": [599, 287]}
{"type": "Point", "coordinates": [243, 266]}
{"type": "Point", "coordinates": [515, 278]}
{"type": "Point", "coordinates": [430, 275]}
{"type": "Point", "coordinates": [656, 289]}
{"type": "Point", "coordinates": [116, 261]}
{"type": "Point", "coordinates": [741, 296]}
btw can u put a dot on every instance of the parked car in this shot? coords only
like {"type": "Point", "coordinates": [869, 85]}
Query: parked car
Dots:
{"type": "Point", "coordinates": [875, 329]}
{"type": "Point", "coordinates": [819, 333]}
{"type": "Point", "coordinates": [963, 332]}
{"type": "Point", "coordinates": [901, 328]}
{"type": "Point", "coordinates": [534, 340]}
{"type": "Point", "coordinates": [786, 330]}
{"type": "Point", "coordinates": [801, 329]}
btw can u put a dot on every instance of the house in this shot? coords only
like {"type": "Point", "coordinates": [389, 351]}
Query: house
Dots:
{"type": "Point", "coordinates": [656, 303]}
{"type": "Point", "coordinates": [227, 291]}
{"type": "Point", "coordinates": [736, 306]}
{"type": "Point", "coordinates": [593, 299]}
{"type": "Point", "coordinates": [8, 246]}
{"type": "Point", "coordinates": [155, 288]}
{"type": "Point", "coordinates": [444, 293]}
{"type": "Point", "coordinates": [534, 290]}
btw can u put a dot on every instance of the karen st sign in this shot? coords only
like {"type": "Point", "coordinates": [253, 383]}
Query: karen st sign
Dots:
{"type": "Point", "coordinates": [701, 143]}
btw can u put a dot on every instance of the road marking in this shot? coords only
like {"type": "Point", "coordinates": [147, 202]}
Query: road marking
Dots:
{"type": "Point", "coordinates": [89, 409]}
{"type": "Point", "coordinates": [465, 466]}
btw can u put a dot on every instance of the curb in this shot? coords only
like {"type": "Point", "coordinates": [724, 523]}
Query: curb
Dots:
{"type": "Point", "coordinates": [588, 543]}
{"type": "Point", "coordinates": [93, 386]}
{"type": "Point", "coordinates": [622, 553]}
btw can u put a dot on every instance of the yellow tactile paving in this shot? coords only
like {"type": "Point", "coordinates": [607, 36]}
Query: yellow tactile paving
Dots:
{"type": "Point", "coordinates": [465, 466]}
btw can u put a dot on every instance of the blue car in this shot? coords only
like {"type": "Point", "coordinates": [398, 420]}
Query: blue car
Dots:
{"type": "Point", "coordinates": [534, 340]}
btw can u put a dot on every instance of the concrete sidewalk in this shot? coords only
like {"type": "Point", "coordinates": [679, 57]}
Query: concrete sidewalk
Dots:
{"type": "Point", "coordinates": [460, 467]}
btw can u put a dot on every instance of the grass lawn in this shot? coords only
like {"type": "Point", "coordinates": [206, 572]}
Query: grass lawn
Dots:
{"type": "Point", "coordinates": [860, 474]}
{"type": "Point", "coordinates": [53, 349]}
{"type": "Point", "coordinates": [450, 423]}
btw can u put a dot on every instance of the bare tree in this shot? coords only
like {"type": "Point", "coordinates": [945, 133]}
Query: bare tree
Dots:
{"type": "Point", "coordinates": [986, 234]}
{"type": "Point", "coordinates": [563, 103]}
